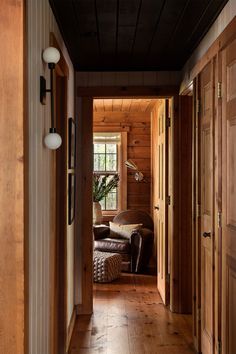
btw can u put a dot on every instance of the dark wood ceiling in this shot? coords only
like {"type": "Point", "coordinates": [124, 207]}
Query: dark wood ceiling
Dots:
{"type": "Point", "coordinates": [109, 35]}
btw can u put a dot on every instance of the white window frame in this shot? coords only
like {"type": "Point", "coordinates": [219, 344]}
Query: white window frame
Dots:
{"type": "Point", "coordinates": [122, 170]}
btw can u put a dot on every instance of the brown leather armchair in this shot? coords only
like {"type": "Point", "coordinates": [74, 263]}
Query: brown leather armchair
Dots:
{"type": "Point", "coordinates": [136, 251]}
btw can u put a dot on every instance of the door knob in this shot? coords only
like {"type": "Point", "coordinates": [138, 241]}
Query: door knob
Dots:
{"type": "Point", "coordinates": [156, 207]}
{"type": "Point", "coordinates": [206, 234]}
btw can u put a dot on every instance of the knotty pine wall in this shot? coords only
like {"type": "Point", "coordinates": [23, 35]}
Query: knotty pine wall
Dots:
{"type": "Point", "coordinates": [40, 22]}
{"type": "Point", "coordinates": [138, 149]}
{"type": "Point", "coordinates": [13, 158]}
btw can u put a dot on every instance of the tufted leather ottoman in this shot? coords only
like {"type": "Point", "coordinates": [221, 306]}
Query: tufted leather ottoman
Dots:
{"type": "Point", "coordinates": [106, 266]}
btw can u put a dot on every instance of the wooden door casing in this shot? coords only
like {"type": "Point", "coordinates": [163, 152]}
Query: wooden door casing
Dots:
{"type": "Point", "coordinates": [229, 198]}
{"type": "Point", "coordinates": [207, 213]}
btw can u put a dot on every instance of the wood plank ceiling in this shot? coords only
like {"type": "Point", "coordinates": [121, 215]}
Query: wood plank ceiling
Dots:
{"type": "Point", "coordinates": [106, 35]}
{"type": "Point", "coordinates": [124, 105]}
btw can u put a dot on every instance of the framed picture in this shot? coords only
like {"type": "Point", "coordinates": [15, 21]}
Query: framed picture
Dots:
{"type": "Point", "coordinates": [71, 143]}
{"type": "Point", "coordinates": [71, 198]}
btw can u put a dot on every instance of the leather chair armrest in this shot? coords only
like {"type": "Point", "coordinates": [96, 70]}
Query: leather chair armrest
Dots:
{"type": "Point", "coordinates": [141, 249]}
{"type": "Point", "coordinates": [101, 231]}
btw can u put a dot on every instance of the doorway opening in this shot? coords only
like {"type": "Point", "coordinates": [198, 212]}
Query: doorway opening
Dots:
{"type": "Point", "coordinates": [143, 132]}
{"type": "Point", "coordinates": [132, 138]}
{"type": "Point", "coordinates": [175, 121]}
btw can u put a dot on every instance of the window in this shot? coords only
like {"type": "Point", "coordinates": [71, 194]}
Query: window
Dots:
{"type": "Point", "coordinates": [106, 162]}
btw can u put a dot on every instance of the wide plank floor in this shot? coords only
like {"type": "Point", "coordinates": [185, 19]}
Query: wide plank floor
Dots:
{"type": "Point", "coordinates": [130, 318]}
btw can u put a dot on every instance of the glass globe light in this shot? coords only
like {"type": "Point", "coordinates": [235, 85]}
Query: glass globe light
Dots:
{"type": "Point", "coordinates": [53, 140]}
{"type": "Point", "coordinates": [51, 55]}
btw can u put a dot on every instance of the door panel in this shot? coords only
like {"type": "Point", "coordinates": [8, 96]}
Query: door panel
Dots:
{"type": "Point", "coordinates": [207, 219]}
{"type": "Point", "coordinates": [160, 213]}
{"type": "Point", "coordinates": [229, 198]}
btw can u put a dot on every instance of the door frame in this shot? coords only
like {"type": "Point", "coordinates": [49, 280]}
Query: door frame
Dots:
{"type": "Point", "coordinates": [58, 253]}
{"type": "Point", "coordinates": [84, 245]}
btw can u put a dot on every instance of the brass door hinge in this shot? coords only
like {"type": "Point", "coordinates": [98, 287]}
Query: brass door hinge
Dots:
{"type": "Point", "coordinates": [219, 347]}
{"type": "Point", "coordinates": [168, 278]}
{"type": "Point", "coordinates": [219, 219]}
{"type": "Point", "coordinates": [168, 200]}
{"type": "Point", "coordinates": [198, 106]}
{"type": "Point", "coordinates": [168, 122]}
{"type": "Point", "coordinates": [219, 90]}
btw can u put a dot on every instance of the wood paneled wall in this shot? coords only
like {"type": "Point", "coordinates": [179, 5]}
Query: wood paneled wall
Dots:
{"type": "Point", "coordinates": [137, 125]}
{"type": "Point", "coordinates": [40, 22]}
{"type": "Point", "coordinates": [132, 78]}
{"type": "Point", "coordinates": [13, 199]}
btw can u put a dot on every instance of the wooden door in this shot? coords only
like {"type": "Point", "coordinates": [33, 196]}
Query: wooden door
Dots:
{"type": "Point", "coordinates": [229, 198]}
{"type": "Point", "coordinates": [160, 214]}
{"type": "Point", "coordinates": [207, 213]}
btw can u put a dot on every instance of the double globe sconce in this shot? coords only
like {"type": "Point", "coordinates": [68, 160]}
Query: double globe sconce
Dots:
{"type": "Point", "coordinates": [51, 56]}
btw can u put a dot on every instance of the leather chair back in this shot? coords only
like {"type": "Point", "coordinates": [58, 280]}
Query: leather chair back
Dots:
{"type": "Point", "coordinates": [134, 217]}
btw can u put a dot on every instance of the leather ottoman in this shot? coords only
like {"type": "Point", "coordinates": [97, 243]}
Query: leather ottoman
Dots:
{"type": "Point", "coordinates": [106, 266]}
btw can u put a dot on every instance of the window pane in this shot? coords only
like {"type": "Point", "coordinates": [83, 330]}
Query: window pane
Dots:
{"type": "Point", "coordinates": [111, 148]}
{"type": "Point", "coordinates": [111, 201]}
{"type": "Point", "coordinates": [111, 164]}
{"type": "Point", "coordinates": [99, 162]}
{"type": "Point", "coordinates": [99, 148]}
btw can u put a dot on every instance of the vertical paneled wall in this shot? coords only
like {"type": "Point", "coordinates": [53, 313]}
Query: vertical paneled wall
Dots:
{"type": "Point", "coordinates": [40, 22]}
{"type": "Point", "coordinates": [138, 150]}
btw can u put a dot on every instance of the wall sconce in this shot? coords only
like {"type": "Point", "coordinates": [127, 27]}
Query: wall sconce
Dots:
{"type": "Point", "coordinates": [51, 56]}
{"type": "Point", "coordinates": [138, 175]}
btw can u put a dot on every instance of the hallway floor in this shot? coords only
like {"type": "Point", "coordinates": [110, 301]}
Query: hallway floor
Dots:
{"type": "Point", "coordinates": [129, 318]}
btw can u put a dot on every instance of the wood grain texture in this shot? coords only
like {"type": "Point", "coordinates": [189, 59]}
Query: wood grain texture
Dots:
{"type": "Point", "coordinates": [40, 22]}
{"type": "Point", "coordinates": [133, 35]}
{"type": "Point", "coordinates": [137, 147]}
{"type": "Point", "coordinates": [228, 69]}
{"type": "Point", "coordinates": [124, 105]}
{"type": "Point", "coordinates": [129, 317]}
{"type": "Point", "coordinates": [12, 175]}
{"type": "Point", "coordinates": [207, 207]}
{"type": "Point", "coordinates": [84, 239]}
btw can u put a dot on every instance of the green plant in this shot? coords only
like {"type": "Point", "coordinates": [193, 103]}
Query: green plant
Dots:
{"type": "Point", "coordinates": [102, 185]}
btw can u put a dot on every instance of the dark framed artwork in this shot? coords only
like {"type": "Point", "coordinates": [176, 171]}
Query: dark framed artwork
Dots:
{"type": "Point", "coordinates": [72, 143]}
{"type": "Point", "coordinates": [71, 198]}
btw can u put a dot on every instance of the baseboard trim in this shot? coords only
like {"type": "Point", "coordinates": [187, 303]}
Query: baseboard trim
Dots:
{"type": "Point", "coordinates": [70, 328]}
{"type": "Point", "coordinates": [81, 311]}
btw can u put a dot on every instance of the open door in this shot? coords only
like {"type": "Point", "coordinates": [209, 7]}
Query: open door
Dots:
{"type": "Point", "coordinates": [160, 156]}
{"type": "Point", "coordinates": [207, 212]}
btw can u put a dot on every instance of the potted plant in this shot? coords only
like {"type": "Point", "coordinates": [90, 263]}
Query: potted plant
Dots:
{"type": "Point", "coordinates": [102, 185]}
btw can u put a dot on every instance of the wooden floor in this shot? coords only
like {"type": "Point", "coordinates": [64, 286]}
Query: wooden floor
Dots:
{"type": "Point", "coordinates": [129, 318]}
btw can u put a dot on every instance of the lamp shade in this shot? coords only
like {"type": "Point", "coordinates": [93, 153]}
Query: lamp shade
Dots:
{"type": "Point", "coordinates": [51, 55]}
{"type": "Point", "coordinates": [53, 141]}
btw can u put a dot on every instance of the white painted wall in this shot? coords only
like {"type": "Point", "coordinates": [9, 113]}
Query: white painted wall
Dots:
{"type": "Point", "coordinates": [40, 23]}
{"type": "Point", "coordinates": [224, 18]}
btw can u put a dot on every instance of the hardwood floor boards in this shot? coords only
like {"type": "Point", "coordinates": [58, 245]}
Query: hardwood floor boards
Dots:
{"type": "Point", "coordinates": [130, 318]}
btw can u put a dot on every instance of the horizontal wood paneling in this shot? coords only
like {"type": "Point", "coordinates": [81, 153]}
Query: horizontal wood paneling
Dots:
{"type": "Point", "coordinates": [138, 149]}
{"type": "Point", "coordinates": [123, 105]}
